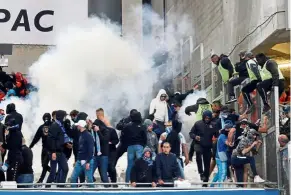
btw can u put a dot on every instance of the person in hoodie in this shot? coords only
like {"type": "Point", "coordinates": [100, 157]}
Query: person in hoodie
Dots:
{"type": "Point", "coordinates": [143, 170]}
{"type": "Point", "coordinates": [242, 71]}
{"type": "Point", "coordinates": [221, 155]}
{"type": "Point", "coordinates": [42, 133]}
{"type": "Point", "coordinates": [167, 168]}
{"type": "Point", "coordinates": [152, 139]}
{"type": "Point", "coordinates": [25, 169]}
{"type": "Point", "coordinates": [101, 152]}
{"type": "Point", "coordinates": [122, 147]}
{"type": "Point", "coordinates": [12, 114]}
{"type": "Point", "coordinates": [113, 141]}
{"type": "Point", "coordinates": [2, 141]}
{"type": "Point", "coordinates": [159, 110]}
{"type": "Point", "coordinates": [85, 161]}
{"type": "Point", "coordinates": [271, 77]}
{"type": "Point", "coordinates": [14, 146]}
{"type": "Point", "coordinates": [177, 140]}
{"type": "Point", "coordinates": [201, 105]}
{"type": "Point", "coordinates": [56, 140]}
{"type": "Point", "coordinates": [4, 78]}
{"type": "Point", "coordinates": [10, 90]}
{"type": "Point", "coordinates": [202, 132]}
{"type": "Point", "coordinates": [135, 138]}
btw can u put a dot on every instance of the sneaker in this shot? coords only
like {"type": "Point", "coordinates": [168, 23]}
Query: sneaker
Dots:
{"type": "Point", "coordinates": [258, 122]}
{"type": "Point", "coordinates": [250, 109]}
{"type": "Point", "coordinates": [258, 179]}
{"type": "Point", "coordinates": [266, 109]}
{"type": "Point", "coordinates": [202, 177]}
{"type": "Point", "coordinates": [231, 100]}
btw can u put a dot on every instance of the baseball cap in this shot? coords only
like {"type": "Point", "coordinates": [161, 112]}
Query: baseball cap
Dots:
{"type": "Point", "coordinates": [81, 123]}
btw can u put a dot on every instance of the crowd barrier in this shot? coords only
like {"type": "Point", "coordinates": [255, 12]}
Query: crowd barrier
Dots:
{"type": "Point", "coordinates": [148, 192]}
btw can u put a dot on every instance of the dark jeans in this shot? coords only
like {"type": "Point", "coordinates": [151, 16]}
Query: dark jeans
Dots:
{"type": "Point", "coordinates": [234, 82]}
{"type": "Point", "coordinates": [44, 162]}
{"type": "Point", "coordinates": [101, 162]}
{"type": "Point", "coordinates": [111, 166]}
{"type": "Point", "coordinates": [63, 168]}
{"type": "Point", "coordinates": [238, 165]}
{"type": "Point", "coordinates": [13, 171]}
{"type": "Point", "coordinates": [204, 153]}
{"type": "Point", "coordinates": [265, 86]}
{"type": "Point", "coordinates": [162, 128]}
{"type": "Point", "coordinates": [121, 149]}
{"type": "Point", "coordinates": [25, 178]}
{"type": "Point", "coordinates": [247, 89]}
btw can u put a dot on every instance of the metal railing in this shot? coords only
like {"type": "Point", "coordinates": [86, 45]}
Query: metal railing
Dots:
{"type": "Point", "coordinates": [127, 187]}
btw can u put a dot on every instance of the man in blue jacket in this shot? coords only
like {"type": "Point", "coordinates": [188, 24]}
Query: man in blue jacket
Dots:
{"type": "Point", "coordinates": [167, 168]}
{"type": "Point", "coordinates": [85, 155]}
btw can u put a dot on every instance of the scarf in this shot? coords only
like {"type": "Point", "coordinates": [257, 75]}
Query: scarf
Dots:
{"type": "Point", "coordinates": [148, 160]}
{"type": "Point", "coordinates": [67, 139]}
{"type": "Point", "coordinates": [97, 148]}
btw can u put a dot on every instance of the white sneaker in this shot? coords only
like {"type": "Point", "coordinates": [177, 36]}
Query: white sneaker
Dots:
{"type": "Point", "coordinates": [258, 179]}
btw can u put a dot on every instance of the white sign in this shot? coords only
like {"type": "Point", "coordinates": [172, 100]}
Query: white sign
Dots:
{"type": "Point", "coordinates": [38, 21]}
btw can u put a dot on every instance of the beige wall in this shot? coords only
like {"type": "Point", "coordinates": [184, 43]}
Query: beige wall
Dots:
{"type": "Point", "coordinates": [220, 24]}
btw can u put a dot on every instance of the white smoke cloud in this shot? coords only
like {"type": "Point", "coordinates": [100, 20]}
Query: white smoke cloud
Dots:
{"type": "Point", "coordinates": [92, 66]}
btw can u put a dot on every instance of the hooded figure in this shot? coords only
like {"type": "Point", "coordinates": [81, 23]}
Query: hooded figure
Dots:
{"type": "Point", "coordinates": [135, 138]}
{"type": "Point", "coordinates": [202, 133]}
{"type": "Point", "coordinates": [14, 146]}
{"type": "Point", "coordinates": [42, 133]}
{"type": "Point", "coordinates": [143, 170]}
{"type": "Point", "coordinates": [159, 109]}
{"type": "Point", "coordinates": [12, 114]}
{"type": "Point", "coordinates": [56, 140]}
{"type": "Point", "coordinates": [201, 105]}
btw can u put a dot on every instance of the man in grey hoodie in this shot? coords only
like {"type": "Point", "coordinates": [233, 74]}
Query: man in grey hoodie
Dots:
{"type": "Point", "coordinates": [152, 139]}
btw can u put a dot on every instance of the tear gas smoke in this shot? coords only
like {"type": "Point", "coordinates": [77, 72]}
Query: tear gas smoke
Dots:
{"type": "Point", "coordinates": [188, 121]}
{"type": "Point", "coordinates": [92, 66]}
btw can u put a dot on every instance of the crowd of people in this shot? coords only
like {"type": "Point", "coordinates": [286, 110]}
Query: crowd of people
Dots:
{"type": "Point", "coordinates": [13, 85]}
{"type": "Point", "coordinates": [156, 148]}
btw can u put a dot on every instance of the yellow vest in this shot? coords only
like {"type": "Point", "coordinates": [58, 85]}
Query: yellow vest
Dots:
{"type": "Point", "coordinates": [224, 73]}
{"type": "Point", "coordinates": [265, 74]}
{"type": "Point", "coordinates": [251, 73]}
{"type": "Point", "coordinates": [202, 108]}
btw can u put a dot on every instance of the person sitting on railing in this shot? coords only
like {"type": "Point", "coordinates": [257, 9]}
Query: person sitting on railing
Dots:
{"type": "Point", "coordinates": [255, 77]}
{"type": "Point", "coordinates": [271, 77]}
{"type": "Point", "coordinates": [242, 72]}
{"type": "Point", "coordinates": [143, 170]}
{"type": "Point", "coordinates": [243, 154]}
{"type": "Point", "coordinates": [20, 84]}
{"type": "Point", "coordinates": [10, 90]}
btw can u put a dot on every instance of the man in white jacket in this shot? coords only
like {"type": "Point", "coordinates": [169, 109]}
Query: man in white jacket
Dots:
{"type": "Point", "coordinates": [159, 110]}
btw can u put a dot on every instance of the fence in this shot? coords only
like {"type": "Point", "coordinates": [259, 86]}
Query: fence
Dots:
{"type": "Point", "coordinates": [269, 159]}
{"type": "Point", "coordinates": [142, 192]}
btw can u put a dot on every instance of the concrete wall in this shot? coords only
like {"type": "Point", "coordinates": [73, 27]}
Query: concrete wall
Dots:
{"type": "Point", "coordinates": [220, 24]}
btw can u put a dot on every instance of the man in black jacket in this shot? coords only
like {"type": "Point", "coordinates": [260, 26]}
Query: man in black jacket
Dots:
{"type": "Point", "coordinates": [25, 170]}
{"type": "Point", "coordinates": [122, 147]}
{"type": "Point", "coordinates": [101, 160]}
{"type": "Point", "coordinates": [202, 132]}
{"type": "Point", "coordinates": [135, 138]}
{"type": "Point", "coordinates": [271, 77]}
{"type": "Point", "coordinates": [55, 141]}
{"type": "Point", "coordinates": [242, 72]}
{"type": "Point", "coordinates": [11, 113]}
{"type": "Point", "coordinates": [14, 146]}
{"type": "Point", "coordinates": [143, 170]}
{"type": "Point", "coordinates": [167, 168]}
{"type": "Point", "coordinates": [42, 133]}
{"type": "Point", "coordinates": [112, 155]}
